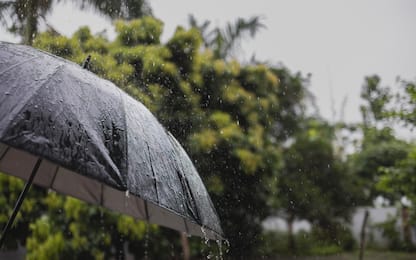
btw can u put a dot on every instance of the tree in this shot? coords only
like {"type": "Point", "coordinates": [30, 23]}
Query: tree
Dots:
{"type": "Point", "coordinates": [22, 16]}
{"type": "Point", "coordinates": [376, 98]}
{"type": "Point", "coordinates": [29, 212]}
{"type": "Point", "coordinates": [379, 147]}
{"type": "Point", "coordinates": [314, 184]}
{"type": "Point", "coordinates": [231, 118]}
{"type": "Point", "coordinates": [383, 161]}
{"type": "Point", "coordinates": [223, 42]}
{"type": "Point", "coordinates": [397, 179]}
{"type": "Point", "coordinates": [405, 103]}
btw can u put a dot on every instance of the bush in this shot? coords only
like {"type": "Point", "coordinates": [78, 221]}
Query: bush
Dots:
{"type": "Point", "coordinates": [390, 232]}
{"type": "Point", "coordinates": [314, 243]}
{"type": "Point", "coordinates": [325, 250]}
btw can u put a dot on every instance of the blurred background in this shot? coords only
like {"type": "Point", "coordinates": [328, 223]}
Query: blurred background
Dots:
{"type": "Point", "coordinates": [298, 115]}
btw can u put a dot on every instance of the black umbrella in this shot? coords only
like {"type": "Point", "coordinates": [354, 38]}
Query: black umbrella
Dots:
{"type": "Point", "coordinates": [66, 129]}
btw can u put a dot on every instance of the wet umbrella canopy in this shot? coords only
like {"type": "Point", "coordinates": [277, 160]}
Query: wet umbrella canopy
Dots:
{"type": "Point", "coordinates": [80, 135]}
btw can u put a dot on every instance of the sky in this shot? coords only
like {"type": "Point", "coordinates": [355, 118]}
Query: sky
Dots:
{"type": "Point", "coordinates": [337, 42]}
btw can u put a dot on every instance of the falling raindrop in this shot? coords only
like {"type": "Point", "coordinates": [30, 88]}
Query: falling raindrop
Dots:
{"type": "Point", "coordinates": [219, 243]}
{"type": "Point", "coordinates": [146, 241]}
{"type": "Point", "coordinates": [227, 244]}
{"type": "Point", "coordinates": [126, 204]}
{"type": "Point", "coordinates": [204, 238]}
{"type": "Point", "coordinates": [206, 242]}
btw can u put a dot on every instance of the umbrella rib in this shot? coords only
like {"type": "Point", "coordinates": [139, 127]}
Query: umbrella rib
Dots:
{"type": "Point", "coordinates": [54, 176]}
{"type": "Point", "coordinates": [185, 183]}
{"type": "Point", "coordinates": [20, 201]}
{"type": "Point", "coordinates": [4, 153]}
{"type": "Point", "coordinates": [102, 195]}
{"type": "Point", "coordinates": [146, 210]}
{"type": "Point", "coordinates": [186, 226]}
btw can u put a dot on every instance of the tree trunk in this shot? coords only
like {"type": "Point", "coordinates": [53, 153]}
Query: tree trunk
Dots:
{"type": "Point", "coordinates": [362, 235]}
{"type": "Point", "coordinates": [31, 21]}
{"type": "Point", "coordinates": [405, 226]}
{"type": "Point", "coordinates": [185, 246]}
{"type": "Point", "coordinates": [291, 242]}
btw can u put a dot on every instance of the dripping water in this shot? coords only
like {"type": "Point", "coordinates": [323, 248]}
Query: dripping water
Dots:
{"type": "Point", "coordinates": [126, 201]}
{"type": "Point", "coordinates": [219, 244]}
{"type": "Point", "coordinates": [206, 242]}
{"type": "Point", "coordinates": [146, 241]}
{"type": "Point", "coordinates": [227, 246]}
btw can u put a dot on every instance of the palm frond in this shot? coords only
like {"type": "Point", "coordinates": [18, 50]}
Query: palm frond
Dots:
{"type": "Point", "coordinates": [125, 9]}
{"type": "Point", "coordinates": [5, 12]}
{"type": "Point", "coordinates": [224, 41]}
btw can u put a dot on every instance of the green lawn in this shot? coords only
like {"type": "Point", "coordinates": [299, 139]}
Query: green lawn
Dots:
{"type": "Point", "coordinates": [369, 255]}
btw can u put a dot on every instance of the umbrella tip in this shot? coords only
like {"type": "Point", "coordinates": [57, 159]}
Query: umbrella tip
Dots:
{"type": "Point", "coordinates": [86, 63]}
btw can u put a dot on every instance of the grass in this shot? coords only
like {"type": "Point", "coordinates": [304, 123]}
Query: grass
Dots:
{"type": "Point", "coordinates": [368, 255]}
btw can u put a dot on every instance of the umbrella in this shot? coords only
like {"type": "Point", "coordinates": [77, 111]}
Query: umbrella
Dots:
{"type": "Point", "coordinates": [64, 128]}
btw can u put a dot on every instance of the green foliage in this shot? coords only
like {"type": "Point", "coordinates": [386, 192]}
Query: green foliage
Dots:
{"type": "Point", "coordinates": [383, 104]}
{"type": "Point", "coordinates": [377, 98]}
{"type": "Point", "coordinates": [379, 151]}
{"type": "Point", "coordinates": [223, 42]}
{"type": "Point", "coordinates": [60, 46]}
{"type": "Point", "coordinates": [314, 183]}
{"type": "Point", "coordinates": [22, 16]}
{"type": "Point", "coordinates": [231, 118]}
{"type": "Point", "coordinates": [43, 243]}
{"type": "Point", "coordinates": [29, 211]}
{"type": "Point", "coordinates": [390, 232]}
{"type": "Point", "coordinates": [326, 250]}
{"type": "Point", "coordinates": [121, 9]}
{"type": "Point", "coordinates": [244, 126]}
{"type": "Point", "coordinates": [399, 179]}
{"type": "Point", "coordinates": [144, 31]}
{"type": "Point", "coordinates": [313, 243]}
{"type": "Point", "coordinates": [406, 103]}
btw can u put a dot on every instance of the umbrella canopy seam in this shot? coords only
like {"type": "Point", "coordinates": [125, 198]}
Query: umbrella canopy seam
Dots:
{"type": "Point", "coordinates": [17, 110]}
{"type": "Point", "coordinates": [16, 65]}
{"type": "Point", "coordinates": [126, 137]}
{"type": "Point", "coordinates": [153, 172]}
